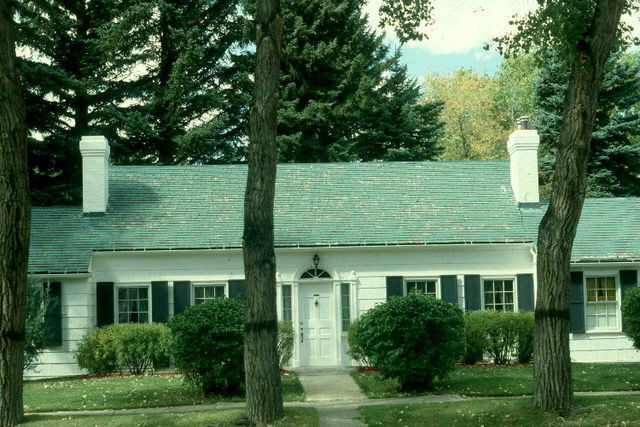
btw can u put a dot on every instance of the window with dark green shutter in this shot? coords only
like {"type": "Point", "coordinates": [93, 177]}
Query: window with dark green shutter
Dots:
{"type": "Point", "coordinates": [472, 292]}
{"type": "Point", "coordinates": [236, 289]}
{"type": "Point", "coordinates": [104, 301]}
{"type": "Point", "coordinates": [395, 286]}
{"type": "Point", "coordinates": [628, 280]}
{"type": "Point", "coordinates": [576, 303]}
{"type": "Point", "coordinates": [53, 314]}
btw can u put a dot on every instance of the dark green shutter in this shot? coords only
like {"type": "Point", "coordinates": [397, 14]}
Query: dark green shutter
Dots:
{"type": "Point", "coordinates": [525, 292]}
{"type": "Point", "coordinates": [472, 292]}
{"type": "Point", "coordinates": [236, 289]}
{"type": "Point", "coordinates": [53, 315]}
{"type": "Point", "coordinates": [449, 289]}
{"type": "Point", "coordinates": [160, 301]}
{"type": "Point", "coordinates": [181, 296]}
{"type": "Point", "coordinates": [395, 286]}
{"type": "Point", "coordinates": [576, 303]}
{"type": "Point", "coordinates": [104, 300]}
{"type": "Point", "coordinates": [628, 280]}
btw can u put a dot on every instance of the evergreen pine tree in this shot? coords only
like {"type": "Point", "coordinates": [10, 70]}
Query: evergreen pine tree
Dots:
{"type": "Point", "coordinates": [615, 148]}
{"type": "Point", "coordinates": [157, 77]}
{"type": "Point", "coordinates": [344, 97]}
{"type": "Point", "coordinates": [63, 84]}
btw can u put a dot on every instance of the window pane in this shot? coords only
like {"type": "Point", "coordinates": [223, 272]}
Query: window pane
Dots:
{"type": "Point", "coordinates": [346, 306]}
{"type": "Point", "coordinates": [132, 304]}
{"type": "Point", "coordinates": [498, 285]}
{"type": "Point", "coordinates": [286, 303]}
{"type": "Point", "coordinates": [508, 285]}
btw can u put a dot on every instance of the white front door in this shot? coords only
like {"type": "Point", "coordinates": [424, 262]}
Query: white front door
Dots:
{"type": "Point", "coordinates": [317, 323]}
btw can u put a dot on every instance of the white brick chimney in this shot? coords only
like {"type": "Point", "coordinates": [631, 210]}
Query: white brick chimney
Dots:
{"type": "Point", "coordinates": [95, 174]}
{"type": "Point", "coordinates": [523, 153]}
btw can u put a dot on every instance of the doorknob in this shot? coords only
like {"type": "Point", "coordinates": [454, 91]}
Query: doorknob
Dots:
{"type": "Point", "coordinates": [301, 333]}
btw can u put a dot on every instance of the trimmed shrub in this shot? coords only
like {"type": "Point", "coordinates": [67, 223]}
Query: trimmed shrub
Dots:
{"type": "Point", "coordinates": [631, 315]}
{"type": "Point", "coordinates": [208, 345]}
{"type": "Point", "coordinates": [355, 348]}
{"type": "Point", "coordinates": [285, 343]}
{"type": "Point", "coordinates": [135, 348]}
{"type": "Point", "coordinates": [475, 337]}
{"type": "Point", "coordinates": [524, 348]}
{"type": "Point", "coordinates": [414, 339]}
{"type": "Point", "coordinates": [96, 352]}
{"type": "Point", "coordinates": [142, 347]}
{"type": "Point", "coordinates": [500, 334]}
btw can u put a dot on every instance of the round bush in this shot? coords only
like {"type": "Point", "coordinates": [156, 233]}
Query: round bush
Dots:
{"type": "Point", "coordinates": [414, 339]}
{"type": "Point", "coordinates": [355, 347]}
{"type": "Point", "coordinates": [631, 315]}
{"type": "Point", "coordinates": [208, 345]}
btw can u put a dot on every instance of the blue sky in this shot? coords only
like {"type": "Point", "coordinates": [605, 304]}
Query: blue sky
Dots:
{"type": "Point", "coordinates": [460, 30]}
{"type": "Point", "coordinates": [457, 37]}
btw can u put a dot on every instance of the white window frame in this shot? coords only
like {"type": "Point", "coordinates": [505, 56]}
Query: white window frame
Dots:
{"type": "Point", "coordinates": [514, 281]}
{"type": "Point", "coordinates": [618, 289]}
{"type": "Point", "coordinates": [116, 310]}
{"type": "Point", "coordinates": [204, 284]}
{"type": "Point", "coordinates": [422, 279]}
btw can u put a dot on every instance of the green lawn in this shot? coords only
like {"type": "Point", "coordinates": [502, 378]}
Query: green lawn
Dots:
{"type": "Point", "coordinates": [492, 380]}
{"type": "Point", "coordinates": [303, 417]}
{"type": "Point", "coordinates": [127, 392]}
{"type": "Point", "coordinates": [598, 411]}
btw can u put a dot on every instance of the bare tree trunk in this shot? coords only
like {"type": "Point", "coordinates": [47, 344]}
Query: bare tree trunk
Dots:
{"type": "Point", "coordinates": [264, 389]}
{"type": "Point", "coordinates": [552, 372]}
{"type": "Point", "coordinates": [15, 210]}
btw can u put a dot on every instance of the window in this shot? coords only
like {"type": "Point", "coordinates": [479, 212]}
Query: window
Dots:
{"type": "Point", "coordinates": [602, 303]}
{"type": "Point", "coordinates": [133, 304]}
{"type": "Point", "coordinates": [345, 301]}
{"type": "Point", "coordinates": [286, 303]}
{"type": "Point", "coordinates": [315, 273]}
{"type": "Point", "coordinates": [421, 285]}
{"type": "Point", "coordinates": [498, 295]}
{"type": "Point", "coordinates": [207, 291]}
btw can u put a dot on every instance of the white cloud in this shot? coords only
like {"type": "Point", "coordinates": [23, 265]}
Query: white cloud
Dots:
{"type": "Point", "coordinates": [462, 26]}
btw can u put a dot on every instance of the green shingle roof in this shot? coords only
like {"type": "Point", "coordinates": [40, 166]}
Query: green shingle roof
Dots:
{"type": "Point", "coordinates": [609, 229]}
{"type": "Point", "coordinates": [338, 204]}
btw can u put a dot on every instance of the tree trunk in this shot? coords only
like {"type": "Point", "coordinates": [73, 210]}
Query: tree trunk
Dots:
{"type": "Point", "coordinates": [552, 371]}
{"type": "Point", "coordinates": [264, 389]}
{"type": "Point", "coordinates": [14, 223]}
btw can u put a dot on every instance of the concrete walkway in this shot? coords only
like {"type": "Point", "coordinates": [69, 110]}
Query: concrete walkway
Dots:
{"type": "Point", "coordinates": [333, 384]}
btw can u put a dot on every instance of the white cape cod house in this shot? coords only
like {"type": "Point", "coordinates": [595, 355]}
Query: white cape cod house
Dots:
{"type": "Point", "coordinates": [150, 241]}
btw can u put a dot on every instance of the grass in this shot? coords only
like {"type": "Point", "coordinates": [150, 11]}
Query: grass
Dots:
{"type": "Point", "coordinates": [303, 417]}
{"type": "Point", "coordinates": [127, 392]}
{"type": "Point", "coordinates": [597, 411]}
{"type": "Point", "coordinates": [492, 380]}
